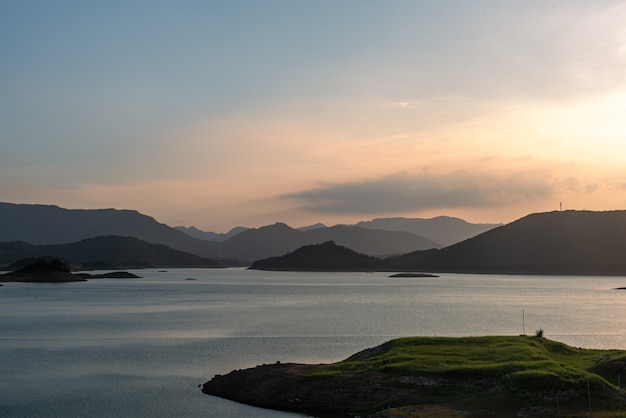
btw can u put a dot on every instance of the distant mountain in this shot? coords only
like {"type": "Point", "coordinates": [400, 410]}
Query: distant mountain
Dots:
{"type": "Point", "coordinates": [44, 224]}
{"type": "Point", "coordinates": [121, 252]}
{"type": "Point", "coordinates": [443, 230]}
{"type": "Point", "coordinates": [326, 256]}
{"type": "Point", "coordinates": [309, 227]}
{"type": "Point", "coordinates": [370, 241]}
{"type": "Point", "coordinates": [278, 239]}
{"type": "Point", "coordinates": [266, 241]}
{"type": "Point", "coordinates": [208, 235]}
{"type": "Point", "coordinates": [569, 242]}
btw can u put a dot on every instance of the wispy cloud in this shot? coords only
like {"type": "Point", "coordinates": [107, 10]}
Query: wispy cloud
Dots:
{"type": "Point", "coordinates": [423, 191]}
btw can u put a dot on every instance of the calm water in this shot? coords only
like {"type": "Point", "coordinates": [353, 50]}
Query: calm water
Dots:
{"type": "Point", "coordinates": [137, 348]}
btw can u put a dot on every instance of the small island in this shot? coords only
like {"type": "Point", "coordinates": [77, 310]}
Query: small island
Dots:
{"type": "Point", "coordinates": [109, 275]}
{"type": "Point", "coordinates": [54, 270]}
{"type": "Point", "coordinates": [413, 275]}
{"type": "Point", "coordinates": [491, 376]}
{"type": "Point", "coordinates": [44, 269]}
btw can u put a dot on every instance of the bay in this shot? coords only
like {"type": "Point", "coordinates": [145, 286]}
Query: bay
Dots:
{"type": "Point", "coordinates": [140, 347]}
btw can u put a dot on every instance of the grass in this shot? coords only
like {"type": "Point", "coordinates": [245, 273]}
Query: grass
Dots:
{"type": "Point", "coordinates": [522, 367]}
{"type": "Point", "coordinates": [487, 357]}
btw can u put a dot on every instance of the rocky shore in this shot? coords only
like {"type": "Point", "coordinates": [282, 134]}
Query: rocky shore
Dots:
{"type": "Point", "coordinates": [306, 388]}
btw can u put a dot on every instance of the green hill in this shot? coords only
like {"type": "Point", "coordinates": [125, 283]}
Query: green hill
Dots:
{"type": "Point", "coordinates": [490, 376]}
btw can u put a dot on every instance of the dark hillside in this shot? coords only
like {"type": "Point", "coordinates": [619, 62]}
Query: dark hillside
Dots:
{"type": "Point", "coordinates": [327, 256]}
{"type": "Point", "coordinates": [47, 224]}
{"type": "Point", "coordinates": [570, 242]}
{"type": "Point", "coordinates": [278, 239]}
{"type": "Point", "coordinates": [126, 252]}
{"type": "Point", "coordinates": [263, 242]}
{"type": "Point", "coordinates": [444, 230]}
{"type": "Point", "coordinates": [371, 241]}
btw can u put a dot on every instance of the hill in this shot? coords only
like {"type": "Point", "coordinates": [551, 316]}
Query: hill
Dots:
{"type": "Point", "coordinates": [320, 257]}
{"type": "Point", "coordinates": [45, 269]}
{"type": "Point", "coordinates": [375, 242]}
{"type": "Point", "coordinates": [111, 251]}
{"type": "Point", "coordinates": [43, 224]}
{"type": "Point", "coordinates": [278, 239]}
{"type": "Point", "coordinates": [568, 242]}
{"type": "Point", "coordinates": [470, 376]}
{"type": "Point", "coordinates": [441, 230]}
{"type": "Point", "coordinates": [208, 235]}
{"type": "Point", "coordinates": [444, 230]}
{"type": "Point", "coordinates": [46, 224]}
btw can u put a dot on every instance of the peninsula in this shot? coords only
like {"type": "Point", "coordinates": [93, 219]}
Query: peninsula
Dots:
{"type": "Point", "coordinates": [491, 376]}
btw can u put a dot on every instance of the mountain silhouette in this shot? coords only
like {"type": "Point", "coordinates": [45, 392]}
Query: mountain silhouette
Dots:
{"type": "Point", "coordinates": [370, 241]}
{"type": "Point", "coordinates": [568, 242]}
{"type": "Point", "coordinates": [208, 235]}
{"type": "Point", "coordinates": [444, 230]}
{"type": "Point", "coordinates": [326, 256]}
{"type": "Point", "coordinates": [278, 239]}
{"type": "Point", "coordinates": [47, 224]}
{"type": "Point", "coordinates": [110, 251]}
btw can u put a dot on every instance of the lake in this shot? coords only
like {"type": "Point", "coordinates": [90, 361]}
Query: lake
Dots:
{"type": "Point", "coordinates": [140, 347]}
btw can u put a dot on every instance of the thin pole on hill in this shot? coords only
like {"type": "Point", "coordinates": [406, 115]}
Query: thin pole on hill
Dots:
{"type": "Point", "coordinates": [523, 324]}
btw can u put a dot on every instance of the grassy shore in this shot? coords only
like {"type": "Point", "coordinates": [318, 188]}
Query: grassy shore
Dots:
{"type": "Point", "coordinates": [510, 372]}
{"type": "Point", "coordinates": [492, 376]}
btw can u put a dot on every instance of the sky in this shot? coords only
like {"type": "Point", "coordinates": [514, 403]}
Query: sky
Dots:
{"type": "Point", "coordinates": [225, 113]}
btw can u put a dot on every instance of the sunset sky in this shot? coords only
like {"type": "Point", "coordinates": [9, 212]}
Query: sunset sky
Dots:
{"type": "Point", "coordinates": [224, 113]}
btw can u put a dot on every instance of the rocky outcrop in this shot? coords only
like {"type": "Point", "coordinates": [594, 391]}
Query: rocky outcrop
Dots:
{"type": "Point", "coordinates": [306, 388]}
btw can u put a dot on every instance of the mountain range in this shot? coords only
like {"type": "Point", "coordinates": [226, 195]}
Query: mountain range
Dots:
{"type": "Point", "coordinates": [209, 235]}
{"type": "Point", "coordinates": [108, 252]}
{"type": "Point", "coordinates": [563, 242]}
{"type": "Point", "coordinates": [559, 242]}
{"type": "Point", "coordinates": [444, 230]}
{"type": "Point", "coordinates": [47, 225]}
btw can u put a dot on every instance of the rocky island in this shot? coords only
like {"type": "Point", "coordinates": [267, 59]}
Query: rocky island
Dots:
{"type": "Point", "coordinates": [54, 270]}
{"type": "Point", "coordinates": [44, 269]}
{"type": "Point", "coordinates": [413, 275]}
{"type": "Point", "coordinates": [109, 275]}
{"type": "Point", "coordinates": [493, 376]}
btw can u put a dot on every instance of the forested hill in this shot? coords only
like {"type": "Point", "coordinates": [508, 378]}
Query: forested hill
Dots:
{"type": "Point", "coordinates": [561, 242]}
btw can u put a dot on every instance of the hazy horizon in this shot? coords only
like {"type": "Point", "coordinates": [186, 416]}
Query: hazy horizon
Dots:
{"type": "Point", "coordinates": [221, 114]}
